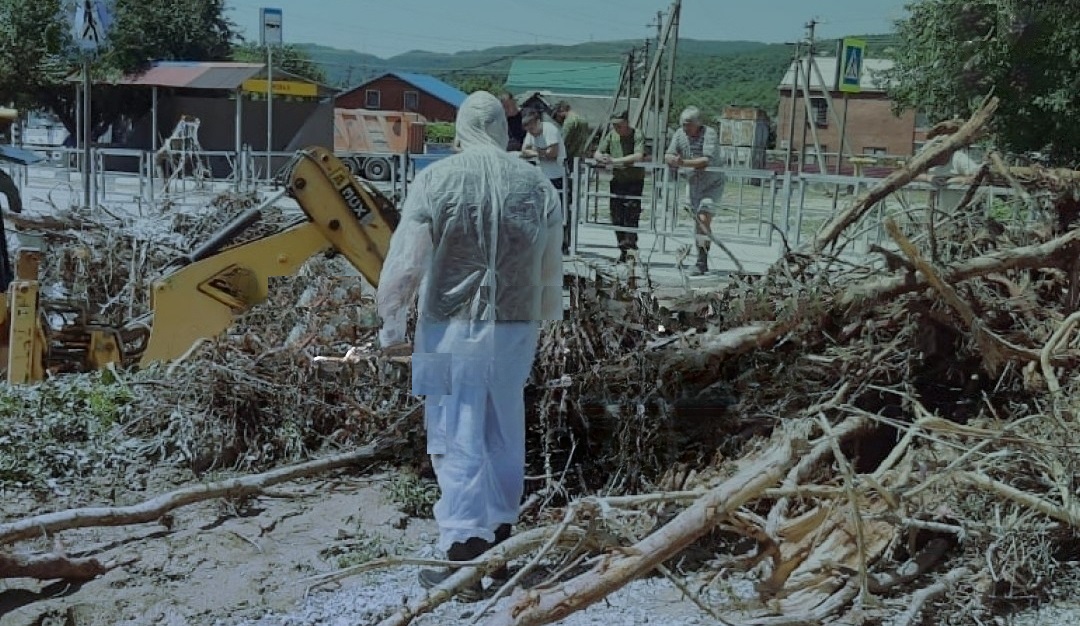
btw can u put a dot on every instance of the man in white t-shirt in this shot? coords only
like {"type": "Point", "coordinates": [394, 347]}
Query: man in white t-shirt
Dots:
{"type": "Point", "coordinates": [544, 145]}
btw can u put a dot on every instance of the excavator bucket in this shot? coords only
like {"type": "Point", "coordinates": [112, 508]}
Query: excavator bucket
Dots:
{"type": "Point", "coordinates": [360, 226]}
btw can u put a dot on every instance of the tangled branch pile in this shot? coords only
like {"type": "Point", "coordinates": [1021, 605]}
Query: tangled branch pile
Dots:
{"type": "Point", "coordinates": [251, 400]}
{"type": "Point", "coordinates": [899, 433]}
{"type": "Point", "coordinates": [854, 441]}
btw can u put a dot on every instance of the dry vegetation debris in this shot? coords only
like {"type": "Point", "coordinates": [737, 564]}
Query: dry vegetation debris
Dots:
{"type": "Point", "coordinates": [868, 444]}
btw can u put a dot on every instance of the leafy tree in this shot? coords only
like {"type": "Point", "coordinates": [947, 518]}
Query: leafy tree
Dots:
{"type": "Point", "coordinates": [470, 83]}
{"type": "Point", "coordinates": [153, 30]}
{"type": "Point", "coordinates": [292, 59]}
{"type": "Point", "coordinates": [32, 40]}
{"type": "Point", "coordinates": [38, 55]}
{"type": "Point", "coordinates": [950, 54]}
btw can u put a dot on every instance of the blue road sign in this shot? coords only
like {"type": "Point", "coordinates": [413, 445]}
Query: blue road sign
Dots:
{"type": "Point", "coordinates": [91, 24]}
{"type": "Point", "coordinates": [271, 26]}
{"type": "Point", "coordinates": [851, 65]}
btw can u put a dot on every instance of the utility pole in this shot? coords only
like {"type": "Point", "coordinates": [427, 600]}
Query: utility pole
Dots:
{"type": "Point", "coordinates": [659, 77]}
{"type": "Point", "coordinates": [673, 45]}
{"type": "Point", "coordinates": [270, 37]}
{"type": "Point", "coordinates": [659, 23]}
{"type": "Point", "coordinates": [269, 112]}
{"type": "Point", "coordinates": [807, 104]}
{"type": "Point", "coordinates": [812, 126]}
{"type": "Point", "coordinates": [654, 93]}
{"type": "Point", "coordinates": [794, 106]}
{"type": "Point", "coordinates": [87, 138]}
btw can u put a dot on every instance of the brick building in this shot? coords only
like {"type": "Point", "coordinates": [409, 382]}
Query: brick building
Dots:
{"type": "Point", "coordinates": [872, 128]}
{"type": "Point", "coordinates": [402, 91]}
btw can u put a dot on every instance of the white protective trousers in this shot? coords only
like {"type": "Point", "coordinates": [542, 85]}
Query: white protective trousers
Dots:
{"type": "Point", "coordinates": [476, 425]}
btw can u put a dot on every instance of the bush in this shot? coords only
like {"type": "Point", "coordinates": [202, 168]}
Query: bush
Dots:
{"type": "Point", "coordinates": [439, 132]}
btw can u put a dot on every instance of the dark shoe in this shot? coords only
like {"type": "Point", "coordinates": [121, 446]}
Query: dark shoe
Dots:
{"type": "Point", "coordinates": [467, 551]}
{"type": "Point", "coordinates": [501, 575]}
{"type": "Point", "coordinates": [430, 578]}
{"type": "Point", "coordinates": [702, 261]}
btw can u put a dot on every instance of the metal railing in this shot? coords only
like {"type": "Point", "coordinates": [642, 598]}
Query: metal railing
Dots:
{"type": "Point", "coordinates": [146, 177]}
{"type": "Point", "coordinates": [759, 206]}
{"type": "Point", "coordinates": [746, 213]}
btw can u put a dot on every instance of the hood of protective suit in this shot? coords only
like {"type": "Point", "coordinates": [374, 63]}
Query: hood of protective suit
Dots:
{"type": "Point", "coordinates": [481, 121]}
{"type": "Point", "coordinates": [481, 229]}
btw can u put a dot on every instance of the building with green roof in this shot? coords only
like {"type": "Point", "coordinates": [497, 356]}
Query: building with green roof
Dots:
{"type": "Point", "coordinates": [583, 78]}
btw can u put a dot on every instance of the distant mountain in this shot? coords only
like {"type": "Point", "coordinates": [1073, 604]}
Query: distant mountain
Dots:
{"type": "Point", "coordinates": [709, 74]}
{"type": "Point", "coordinates": [345, 68]}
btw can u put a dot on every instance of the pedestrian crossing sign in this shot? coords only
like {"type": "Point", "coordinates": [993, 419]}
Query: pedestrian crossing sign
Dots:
{"type": "Point", "coordinates": [851, 65]}
{"type": "Point", "coordinates": [90, 24]}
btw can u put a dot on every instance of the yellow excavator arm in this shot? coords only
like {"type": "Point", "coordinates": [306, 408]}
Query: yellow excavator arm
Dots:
{"type": "Point", "coordinates": [217, 283]}
{"type": "Point", "coordinates": [202, 294]}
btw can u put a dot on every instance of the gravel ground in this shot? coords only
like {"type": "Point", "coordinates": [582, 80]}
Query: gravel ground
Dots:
{"type": "Point", "coordinates": [369, 598]}
{"type": "Point", "coordinates": [654, 601]}
{"type": "Point", "coordinates": [1062, 613]}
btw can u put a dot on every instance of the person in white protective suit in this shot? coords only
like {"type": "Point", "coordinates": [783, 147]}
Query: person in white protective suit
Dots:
{"type": "Point", "coordinates": [480, 239]}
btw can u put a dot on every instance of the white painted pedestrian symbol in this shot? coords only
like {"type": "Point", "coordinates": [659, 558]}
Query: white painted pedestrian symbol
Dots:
{"type": "Point", "coordinates": [851, 68]}
{"type": "Point", "coordinates": [851, 73]}
{"type": "Point", "coordinates": [90, 23]}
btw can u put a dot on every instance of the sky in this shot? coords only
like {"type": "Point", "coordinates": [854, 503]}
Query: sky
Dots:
{"type": "Point", "coordinates": [389, 27]}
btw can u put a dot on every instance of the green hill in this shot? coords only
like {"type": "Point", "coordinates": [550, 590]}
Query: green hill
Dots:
{"type": "Point", "coordinates": [709, 74]}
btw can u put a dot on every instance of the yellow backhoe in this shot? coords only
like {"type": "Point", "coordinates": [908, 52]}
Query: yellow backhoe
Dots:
{"type": "Point", "coordinates": [201, 294]}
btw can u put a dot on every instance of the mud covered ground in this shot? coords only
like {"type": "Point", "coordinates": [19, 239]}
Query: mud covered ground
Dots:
{"type": "Point", "coordinates": [236, 564]}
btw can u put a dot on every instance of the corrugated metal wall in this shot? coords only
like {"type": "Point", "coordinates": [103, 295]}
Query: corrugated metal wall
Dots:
{"type": "Point", "coordinates": [296, 124]}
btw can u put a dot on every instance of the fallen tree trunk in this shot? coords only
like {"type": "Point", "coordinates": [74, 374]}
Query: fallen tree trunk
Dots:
{"type": "Point", "coordinates": [757, 335]}
{"type": "Point", "coordinates": [1053, 253]}
{"type": "Point", "coordinates": [50, 566]}
{"type": "Point", "coordinates": [542, 607]}
{"type": "Point", "coordinates": [153, 509]}
{"type": "Point", "coordinates": [968, 134]}
{"type": "Point", "coordinates": [731, 342]}
{"type": "Point", "coordinates": [493, 559]}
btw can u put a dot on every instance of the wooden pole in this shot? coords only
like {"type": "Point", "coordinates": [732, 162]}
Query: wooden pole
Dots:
{"type": "Point", "coordinates": [673, 43]}
{"type": "Point", "coordinates": [794, 108]}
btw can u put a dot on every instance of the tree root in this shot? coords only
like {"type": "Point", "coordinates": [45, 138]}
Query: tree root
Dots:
{"type": "Point", "coordinates": [50, 566]}
{"type": "Point", "coordinates": [968, 134]}
{"type": "Point", "coordinates": [921, 597]}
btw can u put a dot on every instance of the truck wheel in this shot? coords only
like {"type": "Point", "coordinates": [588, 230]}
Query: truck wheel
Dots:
{"type": "Point", "coordinates": [377, 169]}
{"type": "Point", "coordinates": [355, 166]}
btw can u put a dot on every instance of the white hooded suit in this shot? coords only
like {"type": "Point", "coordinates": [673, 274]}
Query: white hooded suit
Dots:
{"type": "Point", "coordinates": [480, 239]}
